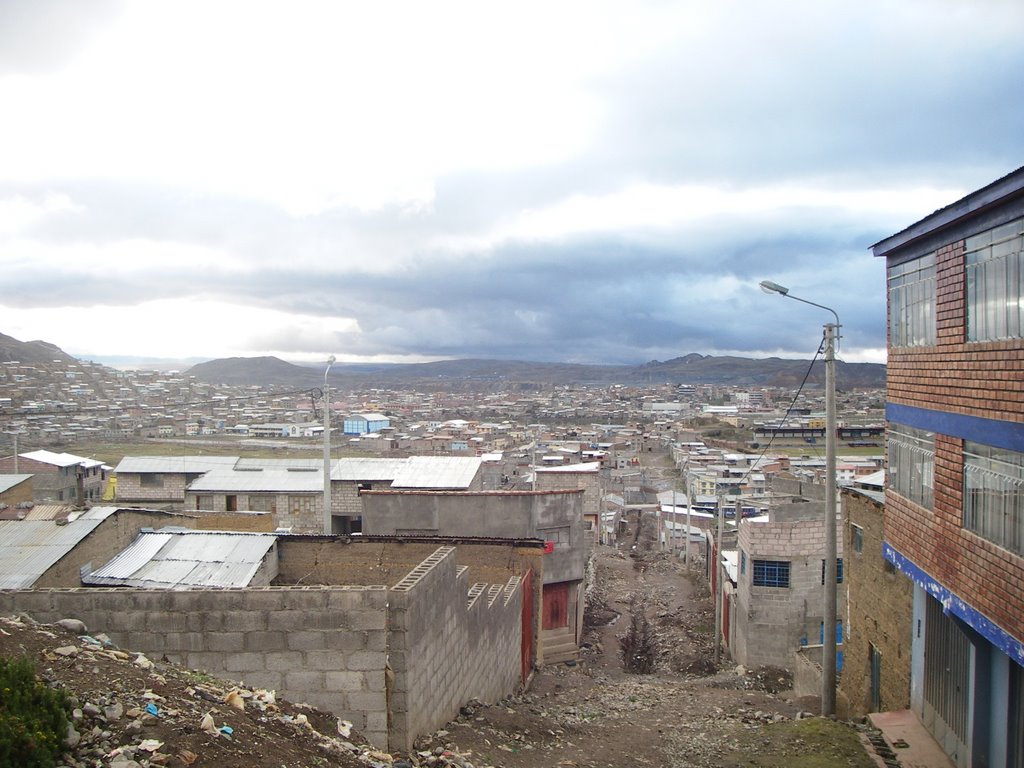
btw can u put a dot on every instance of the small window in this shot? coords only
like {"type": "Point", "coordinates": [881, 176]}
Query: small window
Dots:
{"type": "Point", "coordinates": [771, 573]}
{"type": "Point", "coordinates": [743, 562]}
{"type": "Point", "coordinates": [856, 538]}
{"type": "Point", "coordinates": [839, 571]}
{"type": "Point", "coordinates": [151, 480]}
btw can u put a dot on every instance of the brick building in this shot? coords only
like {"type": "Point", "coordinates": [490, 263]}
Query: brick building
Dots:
{"type": "Point", "coordinates": [60, 477]}
{"type": "Point", "coordinates": [954, 516]}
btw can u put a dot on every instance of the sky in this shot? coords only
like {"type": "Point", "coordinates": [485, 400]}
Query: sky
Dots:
{"type": "Point", "coordinates": [592, 182]}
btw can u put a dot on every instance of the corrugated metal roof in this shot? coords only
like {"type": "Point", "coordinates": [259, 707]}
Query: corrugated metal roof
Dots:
{"type": "Point", "coordinates": [259, 480]}
{"type": "Point", "coordinates": [366, 469]}
{"type": "Point", "coordinates": [174, 464]}
{"type": "Point", "coordinates": [29, 547]}
{"type": "Point", "coordinates": [9, 481]}
{"type": "Point", "coordinates": [179, 559]}
{"type": "Point", "coordinates": [447, 472]}
{"type": "Point", "coordinates": [296, 463]}
{"type": "Point", "coordinates": [590, 466]}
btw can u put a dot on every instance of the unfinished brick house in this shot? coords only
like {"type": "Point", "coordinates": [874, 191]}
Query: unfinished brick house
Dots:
{"type": "Point", "coordinates": [954, 503]}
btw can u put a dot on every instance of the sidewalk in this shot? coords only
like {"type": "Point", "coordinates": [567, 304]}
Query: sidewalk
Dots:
{"type": "Point", "coordinates": [913, 746]}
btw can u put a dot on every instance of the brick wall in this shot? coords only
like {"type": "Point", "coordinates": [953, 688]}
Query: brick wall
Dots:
{"type": "Point", "coordinates": [978, 379]}
{"type": "Point", "coordinates": [880, 611]}
{"type": "Point", "coordinates": [445, 650]}
{"type": "Point", "coordinates": [18, 494]}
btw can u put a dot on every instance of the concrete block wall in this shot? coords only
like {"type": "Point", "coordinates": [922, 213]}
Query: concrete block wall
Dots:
{"type": "Point", "coordinates": [325, 646]}
{"type": "Point", "coordinates": [131, 489]}
{"type": "Point", "coordinates": [446, 647]}
{"type": "Point", "coordinates": [772, 622]}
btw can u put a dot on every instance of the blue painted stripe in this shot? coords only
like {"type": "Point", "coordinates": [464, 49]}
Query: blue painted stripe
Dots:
{"type": "Point", "coordinates": [998, 434]}
{"type": "Point", "coordinates": [955, 605]}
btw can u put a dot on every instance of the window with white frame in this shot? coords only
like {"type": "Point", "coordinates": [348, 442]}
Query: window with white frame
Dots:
{"type": "Point", "coordinates": [912, 463]}
{"type": "Point", "coordinates": [911, 287]}
{"type": "Point", "coordinates": [994, 266]}
{"type": "Point", "coordinates": [994, 495]}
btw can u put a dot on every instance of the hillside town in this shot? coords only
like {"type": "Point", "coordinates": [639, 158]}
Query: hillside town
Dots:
{"type": "Point", "coordinates": [403, 559]}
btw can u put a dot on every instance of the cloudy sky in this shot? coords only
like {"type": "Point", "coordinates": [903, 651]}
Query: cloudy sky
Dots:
{"type": "Point", "coordinates": [555, 181]}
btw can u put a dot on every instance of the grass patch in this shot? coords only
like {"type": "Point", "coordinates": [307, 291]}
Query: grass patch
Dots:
{"type": "Point", "coordinates": [810, 743]}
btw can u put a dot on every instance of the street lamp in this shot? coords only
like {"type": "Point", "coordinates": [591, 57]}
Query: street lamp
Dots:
{"type": "Point", "coordinates": [328, 519]}
{"type": "Point", "coordinates": [828, 650]}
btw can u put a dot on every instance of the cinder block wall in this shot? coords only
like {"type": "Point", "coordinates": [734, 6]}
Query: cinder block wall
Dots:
{"type": "Point", "coordinates": [445, 649]}
{"type": "Point", "coordinates": [170, 488]}
{"type": "Point", "coordinates": [325, 646]}
{"type": "Point", "coordinates": [771, 621]}
{"type": "Point", "coordinates": [880, 614]}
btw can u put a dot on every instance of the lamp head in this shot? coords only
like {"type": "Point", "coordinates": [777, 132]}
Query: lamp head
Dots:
{"type": "Point", "coordinates": [769, 287]}
{"type": "Point", "coordinates": [330, 360]}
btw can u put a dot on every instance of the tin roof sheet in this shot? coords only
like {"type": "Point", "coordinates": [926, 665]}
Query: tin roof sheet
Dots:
{"type": "Point", "coordinates": [447, 472]}
{"type": "Point", "coordinates": [179, 559]}
{"type": "Point", "coordinates": [586, 467]}
{"type": "Point", "coordinates": [366, 469]}
{"type": "Point", "coordinates": [56, 459]}
{"type": "Point", "coordinates": [29, 547]}
{"type": "Point", "coordinates": [9, 481]}
{"type": "Point", "coordinates": [271, 479]}
{"type": "Point", "coordinates": [174, 464]}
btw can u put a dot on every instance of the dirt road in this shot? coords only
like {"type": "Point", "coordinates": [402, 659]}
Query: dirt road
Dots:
{"type": "Point", "coordinates": [687, 714]}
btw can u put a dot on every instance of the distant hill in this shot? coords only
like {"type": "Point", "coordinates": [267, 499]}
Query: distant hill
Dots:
{"type": "Point", "coordinates": [690, 369]}
{"type": "Point", "coordinates": [31, 352]}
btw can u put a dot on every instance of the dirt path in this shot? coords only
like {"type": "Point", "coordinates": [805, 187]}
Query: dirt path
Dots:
{"type": "Point", "coordinates": [687, 714]}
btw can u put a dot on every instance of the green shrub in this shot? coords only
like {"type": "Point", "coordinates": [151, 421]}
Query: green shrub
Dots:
{"type": "Point", "coordinates": [33, 717]}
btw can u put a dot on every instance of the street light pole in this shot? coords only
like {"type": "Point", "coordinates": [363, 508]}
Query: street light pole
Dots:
{"type": "Point", "coordinates": [828, 644]}
{"type": "Point", "coordinates": [327, 516]}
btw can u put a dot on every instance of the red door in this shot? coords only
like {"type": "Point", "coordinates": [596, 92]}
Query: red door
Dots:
{"type": "Point", "coordinates": [556, 605]}
{"type": "Point", "coordinates": [526, 644]}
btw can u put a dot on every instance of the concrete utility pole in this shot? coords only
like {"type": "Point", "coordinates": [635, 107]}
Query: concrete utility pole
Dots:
{"type": "Point", "coordinates": [828, 644]}
{"type": "Point", "coordinates": [716, 570]}
{"type": "Point", "coordinates": [328, 518]}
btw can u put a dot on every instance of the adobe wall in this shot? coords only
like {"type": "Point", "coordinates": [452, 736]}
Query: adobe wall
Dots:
{"type": "Point", "coordinates": [880, 613]}
{"type": "Point", "coordinates": [445, 650]}
{"type": "Point", "coordinates": [18, 494]}
{"type": "Point", "coordinates": [325, 646]}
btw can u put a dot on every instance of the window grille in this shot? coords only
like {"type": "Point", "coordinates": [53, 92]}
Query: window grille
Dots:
{"type": "Point", "coordinates": [912, 463]}
{"type": "Point", "coordinates": [771, 573]}
{"type": "Point", "coordinates": [839, 571]}
{"type": "Point", "coordinates": [994, 266]}
{"type": "Point", "coordinates": [993, 494]}
{"type": "Point", "coordinates": [911, 288]}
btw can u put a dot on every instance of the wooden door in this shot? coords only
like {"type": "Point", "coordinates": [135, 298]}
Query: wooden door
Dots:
{"type": "Point", "coordinates": [556, 605]}
{"type": "Point", "coordinates": [526, 644]}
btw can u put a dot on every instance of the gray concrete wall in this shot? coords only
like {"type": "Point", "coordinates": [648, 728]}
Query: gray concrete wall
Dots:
{"type": "Point", "coordinates": [445, 649]}
{"type": "Point", "coordinates": [772, 622]}
{"type": "Point", "coordinates": [547, 515]}
{"type": "Point", "coordinates": [325, 646]}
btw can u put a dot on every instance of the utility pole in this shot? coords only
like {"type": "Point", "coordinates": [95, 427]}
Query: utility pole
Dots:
{"type": "Point", "coordinates": [328, 519]}
{"type": "Point", "coordinates": [828, 645]}
{"type": "Point", "coordinates": [717, 576]}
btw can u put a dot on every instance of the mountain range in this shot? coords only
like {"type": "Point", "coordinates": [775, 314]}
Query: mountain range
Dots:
{"type": "Point", "coordinates": [492, 374]}
{"type": "Point", "coordinates": [690, 369]}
